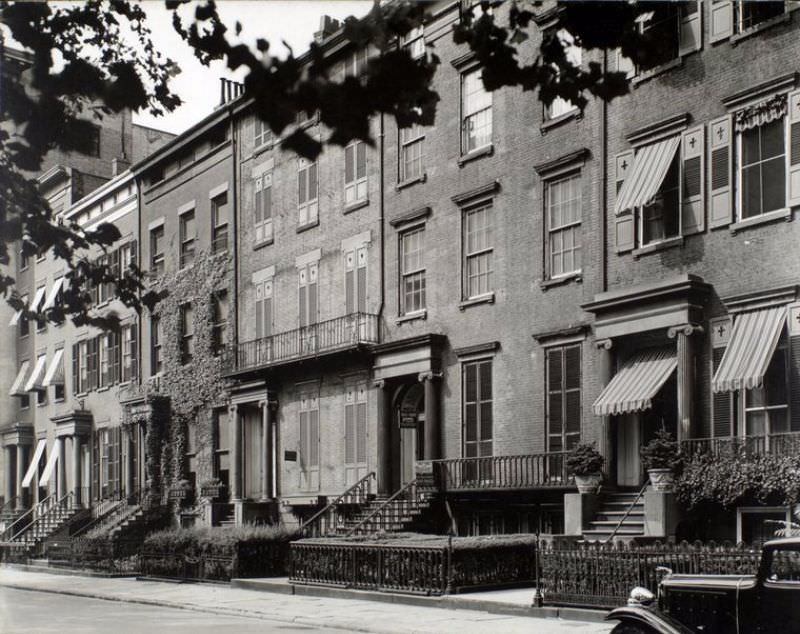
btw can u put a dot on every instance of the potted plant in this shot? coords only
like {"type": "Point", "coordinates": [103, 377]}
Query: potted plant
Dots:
{"type": "Point", "coordinates": [661, 457]}
{"type": "Point", "coordinates": [586, 463]}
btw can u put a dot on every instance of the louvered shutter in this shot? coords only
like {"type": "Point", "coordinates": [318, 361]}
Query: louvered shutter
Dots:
{"type": "Point", "coordinates": [303, 296]}
{"type": "Point", "coordinates": [361, 160]}
{"type": "Point", "coordinates": [304, 463]}
{"type": "Point", "coordinates": [313, 438]}
{"type": "Point", "coordinates": [349, 282]}
{"type": "Point", "coordinates": [349, 434]}
{"type": "Point", "coordinates": [361, 433]}
{"type": "Point", "coordinates": [312, 294]}
{"type": "Point", "coordinates": [259, 203]}
{"type": "Point", "coordinates": [267, 316]}
{"type": "Point", "coordinates": [691, 28]}
{"type": "Point", "coordinates": [76, 368]}
{"type": "Point", "coordinates": [361, 280]}
{"type": "Point", "coordinates": [721, 199]}
{"type": "Point", "coordinates": [794, 149]}
{"type": "Point", "coordinates": [794, 366]}
{"type": "Point", "coordinates": [134, 352]}
{"type": "Point", "coordinates": [349, 163]}
{"type": "Point", "coordinates": [259, 311]}
{"type": "Point", "coordinates": [625, 225]}
{"type": "Point", "coordinates": [721, 20]}
{"type": "Point", "coordinates": [692, 191]}
{"type": "Point", "coordinates": [722, 402]}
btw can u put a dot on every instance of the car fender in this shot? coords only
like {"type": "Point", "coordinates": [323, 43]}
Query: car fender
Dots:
{"type": "Point", "coordinates": [661, 623]}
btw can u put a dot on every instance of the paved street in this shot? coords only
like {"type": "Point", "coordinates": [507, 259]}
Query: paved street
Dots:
{"type": "Point", "coordinates": [128, 606]}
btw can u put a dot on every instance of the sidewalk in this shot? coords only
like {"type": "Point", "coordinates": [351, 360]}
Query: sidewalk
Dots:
{"type": "Point", "coordinates": [503, 611]}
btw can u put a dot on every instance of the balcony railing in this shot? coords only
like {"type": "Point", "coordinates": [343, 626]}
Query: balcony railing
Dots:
{"type": "Point", "coordinates": [529, 471]}
{"type": "Point", "coordinates": [313, 340]}
{"type": "Point", "coordinates": [774, 444]}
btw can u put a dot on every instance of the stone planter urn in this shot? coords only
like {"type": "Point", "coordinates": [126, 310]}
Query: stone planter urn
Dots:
{"type": "Point", "coordinates": [663, 480]}
{"type": "Point", "coordinates": [589, 483]}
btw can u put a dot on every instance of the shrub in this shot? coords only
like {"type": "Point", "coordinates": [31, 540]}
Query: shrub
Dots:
{"type": "Point", "coordinates": [585, 460]}
{"type": "Point", "coordinates": [662, 452]}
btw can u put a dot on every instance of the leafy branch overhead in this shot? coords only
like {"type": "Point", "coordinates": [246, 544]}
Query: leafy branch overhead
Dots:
{"type": "Point", "coordinates": [97, 57]}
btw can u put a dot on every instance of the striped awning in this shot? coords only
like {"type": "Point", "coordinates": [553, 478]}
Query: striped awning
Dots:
{"type": "Point", "coordinates": [752, 344]}
{"type": "Point", "coordinates": [37, 455]}
{"type": "Point", "coordinates": [650, 167]}
{"type": "Point", "coordinates": [632, 389]}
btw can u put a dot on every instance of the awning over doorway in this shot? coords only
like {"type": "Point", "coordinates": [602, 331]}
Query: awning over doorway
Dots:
{"type": "Point", "coordinates": [650, 167]}
{"type": "Point", "coordinates": [26, 481]}
{"type": "Point", "coordinates": [632, 389]}
{"type": "Point", "coordinates": [753, 340]}
{"type": "Point", "coordinates": [51, 464]}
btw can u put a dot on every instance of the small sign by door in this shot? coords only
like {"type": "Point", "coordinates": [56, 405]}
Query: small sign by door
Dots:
{"type": "Point", "coordinates": [290, 456]}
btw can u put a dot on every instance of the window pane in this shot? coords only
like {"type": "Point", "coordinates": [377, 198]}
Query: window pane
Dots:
{"type": "Point", "coordinates": [773, 184]}
{"type": "Point", "coordinates": [775, 379]}
{"type": "Point", "coordinates": [772, 139]}
{"type": "Point", "coordinates": [750, 149]}
{"type": "Point", "coordinates": [471, 421]}
{"type": "Point", "coordinates": [471, 382]}
{"type": "Point", "coordinates": [751, 191]}
{"type": "Point", "coordinates": [486, 381]}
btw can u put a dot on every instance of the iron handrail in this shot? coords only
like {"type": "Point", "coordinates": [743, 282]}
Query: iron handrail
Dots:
{"type": "Point", "coordinates": [125, 503]}
{"type": "Point", "coordinates": [397, 494]}
{"type": "Point", "coordinates": [337, 501]}
{"type": "Point", "coordinates": [628, 511]}
{"type": "Point", "coordinates": [53, 507]}
{"type": "Point", "coordinates": [31, 511]}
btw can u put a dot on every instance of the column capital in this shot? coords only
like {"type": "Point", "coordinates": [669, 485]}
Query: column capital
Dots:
{"type": "Point", "coordinates": [428, 376]}
{"type": "Point", "coordinates": [684, 329]}
{"type": "Point", "coordinates": [233, 409]}
{"type": "Point", "coordinates": [604, 344]}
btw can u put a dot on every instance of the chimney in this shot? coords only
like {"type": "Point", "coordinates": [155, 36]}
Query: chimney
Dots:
{"type": "Point", "coordinates": [327, 26]}
{"type": "Point", "coordinates": [119, 165]}
{"type": "Point", "coordinates": [229, 90]}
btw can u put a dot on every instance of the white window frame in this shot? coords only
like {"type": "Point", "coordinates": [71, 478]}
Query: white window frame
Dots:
{"type": "Point", "coordinates": [307, 207]}
{"type": "Point", "coordinates": [157, 258]}
{"type": "Point", "coordinates": [738, 21]}
{"type": "Point", "coordinates": [468, 117]}
{"type": "Point", "coordinates": [187, 347]}
{"type": "Point", "coordinates": [309, 469]}
{"type": "Point", "coordinates": [262, 133]}
{"type": "Point", "coordinates": [474, 207]}
{"type": "Point", "coordinates": [758, 510]}
{"type": "Point", "coordinates": [409, 139]}
{"type": "Point", "coordinates": [355, 189]}
{"type": "Point", "coordinates": [571, 227]}
{"type": "Point", "coordinates": [216, 225]}
{"type": "Point", "coordinates": [187, 243]}
{"type": "Point", "coordinates": [743, 408]}
{"type": "Point", "coordinates": [420, 271]}
{"type": "Point", "coordinates": [561, 107]}
{"type": "Point", "coordinates": [262, 221]}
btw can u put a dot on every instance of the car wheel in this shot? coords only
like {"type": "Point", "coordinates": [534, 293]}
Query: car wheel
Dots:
{"type": "Point", "coordinates": [632, 628]}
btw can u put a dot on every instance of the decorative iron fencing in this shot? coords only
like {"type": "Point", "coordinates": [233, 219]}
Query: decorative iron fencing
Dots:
{"type": "Point", "coordinates": [602, 575]}
{"type": "Point", "coordinates": [97, 554]}
{"type": "Point", "coordinates": [505, 472]}
{"type": "Point", "coordinates": [309, 341]}
{"type": "Point", "coordinates": [327, 520]}
{"type": "Point", "coordinates": [784, 444]}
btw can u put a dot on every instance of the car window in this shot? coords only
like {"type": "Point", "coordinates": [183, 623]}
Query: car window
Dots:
{"type": "Point", "coordinates": [785, 566]}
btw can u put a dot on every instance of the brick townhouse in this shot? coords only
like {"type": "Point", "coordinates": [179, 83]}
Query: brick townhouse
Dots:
{"type": "Point", "coordinates": [476, 297]}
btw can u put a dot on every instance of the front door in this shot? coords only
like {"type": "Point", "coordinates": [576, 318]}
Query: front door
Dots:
{"type": "Point", "coordinates": [629, 467]}
{"type": "Point", "coordinates": [408, 454]}
{"type": "Point", "coordinates": [252, 455]}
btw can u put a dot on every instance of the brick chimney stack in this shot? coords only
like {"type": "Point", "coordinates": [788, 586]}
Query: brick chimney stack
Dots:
{"type": "Point", "coordinates": [229, 90]}
{"type": "Point", "coordinates": [327, 26]}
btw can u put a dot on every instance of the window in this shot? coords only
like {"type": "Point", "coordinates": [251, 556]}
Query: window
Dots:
{"type": "Point", "coordinates": [354, 64]}
{"type": "Point", "coordinates": [308, 450]}
{"type": "Point", "coordinates": [55, 375]}
{"type": "Point", "coordinates": [412, 271]}
{"type": "Point", "coordinates": [107, 290]}
{"type": "Point", "coordinates": [191, 452]}
{"type": "Point", "coordinates": [563, 397]}
{"type": "Point", "coordinates": [355, 280]}
{"type": "Point", "coordinates": [478, 226]}
{"type": "Point", "coordinates": [307, 204]}
{"type": "Point", "coordinates": [476, 112]}
{"type": "Point", "coordinates": [90, 375]}
{"type": "Point", "coordinates": [308, 293]}
{"type": "Point", "coordinates": [750, 14]}
{"type": "Point", "coordinates": [186, 333]}
{"type": "Point", "coordinates": [156, 362]}
{"type": "Point", "coordinates": [263, 206]}
{"type": "Point", "coordinates": [262, 134]}
{"type": "Point", "coordinates": [219, 223]}
{"type": "Point", "coordinates": [188, 233]}
{"type": "Point", "coordinates": [355, 172]}
{"type": "Point", "coordinates": [411, 157]}
{"type": "Point", "coordinates": [355, 433]}
{"type": "Point", "coordinates": [563, 221]}
{"type": "Point", "coordinates": [41, 322]}
{"type": "Point", "coordinates": [757, 524]}
{"type": "Point", "coordinates": [263, 309]}
{"type": "Point", "coordinates": [559, 105]}
{"type": "Point", "coordinates": [762, 169]}
{"type": "Point", "coordinates": [221, 443]}
{"type": "Point", "coordinates": [219, 318]}
{"type": "Point", "coordinates": [157, 250]}
{"type": "Point", "coordinates": [661, 218]}
{"type": "Point", "coordinates": [766, 408]}
{"type": "Point", "coordinates": [24, 324]}
{"type": "Point", "coordinates": [130, 352]}
{"type": "Point", "coordinates": [414, 42]}
{"type": "Point", "coordinates": [477, 413]}
{"type": "Point", "coordinates": [109, 358]}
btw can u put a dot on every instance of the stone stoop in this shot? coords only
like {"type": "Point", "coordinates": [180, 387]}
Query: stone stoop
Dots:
{"type": "Point", "coordinates": [611, 510]}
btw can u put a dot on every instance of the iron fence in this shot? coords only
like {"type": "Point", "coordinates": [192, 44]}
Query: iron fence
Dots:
{"type": "Point", "coordinates": [505, 472]}
{"type": "Point", "coordinates": [96, 554]}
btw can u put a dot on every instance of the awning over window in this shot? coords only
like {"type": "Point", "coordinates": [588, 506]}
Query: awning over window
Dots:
{"type": "Point", "coordinates": [650, 167]}
{"type": "Point", "coordinates": [26, 481]}
{"type": "Point", "coordinates": [632, 389]}
{"type": "Point", "coordinates": [55, 371]}
{"type": "Point", "coordinates": [15, 319]}
{"type": "Point", "coordinates": [51, 464]}
{"type": "Point", "coordinates": [37, 299]}
{"type": "Point", "coordinates": [16, 386]}
{"type": "Point", "coordinates": [753, 340]}
{"type": "Point", "coordinates": [51, 297]}
{"type": "Point", "coordinates": [35, 379]}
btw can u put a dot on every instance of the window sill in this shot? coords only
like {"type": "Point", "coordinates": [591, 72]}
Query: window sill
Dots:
{"type": "Point", "coordinates": [264, 147]}
{"type": "Point", "coordinates": [59, 400]}
{"type": "Point", "coordinates": [549, 124]}
{"type": "Point", "coordinates": [418, 314]}
{"type": "Point", "coordinates": [411, 181]}
{"type": "Point", "coordinates": [658, 70]}
{"type": "Point", "coordinates": [105, 388]}
{"type": "Point", "coordinates": [82, 395]}
{"type": "Point", "coordinates": [772, 216]}
{"type": "Point", "coordinates": [263, 243]}
{"type": "Point", "coordinates": [658, 246]}
{"type": "Point", "coordinates": [307, 226]}
{"type": "Point", "coordinates": [353, 206]}
{"type": "Point", "coordinates": [487, 298]}
{"type": "Point", "coordinates": [576, 277]}
{"type": "Point", "coordinates": [763, 26]}
{"type": "Point", "coordinates": [487, 150]}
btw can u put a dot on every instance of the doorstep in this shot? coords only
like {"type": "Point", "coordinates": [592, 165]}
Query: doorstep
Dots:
{"type": "Point", "coordinates": [515, 602]}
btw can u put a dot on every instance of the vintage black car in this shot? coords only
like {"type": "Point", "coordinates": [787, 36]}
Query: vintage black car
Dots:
{"type": "Point", "coordinates": [721, 604]}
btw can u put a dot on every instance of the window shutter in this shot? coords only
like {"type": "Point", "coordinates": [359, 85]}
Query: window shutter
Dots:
{"type": "Point", "coordinates": [116, 357]}
{"type": "Point", "coordinates": [259, 201]}
{"type": "Point", "coordinates": [304, 440]}
{"type": "Point", "coordinates": [313, 438]}
{"type": "Point", "coordinates": [349, 291]}
{"type": "Point", "coordinates": [721, 208]}
{"type": "Point", "coordinates": [624, 234]}
{"type": "Point", "coordinates": [722, 402]}
{"type": "Point", "coordinates": [259, 311]}
{"type": "Point", "coordinates": [692, 156]}
{"type": "Point", "coordinates": [266, 198]}
{"type": "Point", "coordinates": [794, 149]}
{"type": "Point", "coordinates": [793, 327]}
{"type": "Point", "coordinates": [75, 369]}
{"type": "Point", "coordinates": [361, 280]}
{"type": "Point", "coordinates": [721, 20]}
{"type": "Point", "coordinates": [96, 465]}
{"type": "Point", "coordinates": [312, 294]}
{"type": "Point", "coordinates": [349, 434]}
{"type": "Point", "coordinates": [361, 432]}
{"type": "Point", "coordinates": [134, 369]}
{"type": "Point", "coordinates": [349, 163]}
{"type": "Point", "coordinates": [268, 316]}
{"type": "Point", "coordinates": [302, 176]}
{"type": "Point", "coordinates": [303, 306]}
{"type": "Point", "coordinates": [361, 160]}
{"type": "Point", "coordinates": [691, 29]}
{"type": "Point", "coordinates": [312, 181]}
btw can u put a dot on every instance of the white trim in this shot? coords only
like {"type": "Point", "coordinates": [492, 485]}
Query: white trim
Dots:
{"type": "Point", "coordinates": [51, 297]}
{"type": "Point", "coordinates": [307, 258]}
{"type": "Point", "coordinates": [758, 510]}
{"type": "Point", "coordinates": [33, 379]}
{"type": "Point", "coordinates": [155, 224]}
{"type": "Point", "coordinates": [262, 168]}
{"type": "Point", "coordinates": [53, 368]}
{"type": "Point", "coordinates": [354, 242]}
{"type": "Point", "coordinates": [190, 206]}
{"type": "Point", "coordinates": [37, 454]}
{"type": "Point", "coordinates": [566, 340]}
{"type": "Point", "coordinates": [263, 275]}
{"type": "Point", "coordinates": [219, 189]}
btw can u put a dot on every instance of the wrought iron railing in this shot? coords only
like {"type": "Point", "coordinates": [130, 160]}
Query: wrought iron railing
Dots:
{"type": "Point", "coordinates": [46, 514]}
{"type": "Point", "coordinates": [783, 444]}
{"type": "Point", "coordinates": [405, 502]}
{"type": "Point", "coordinates": [115, 512]}
{"type": "Point", "coordinates": [628, 511]}
{"type": "Point", "coordinates": [505, 472]}
{"type": "Point", "coordinates": [309, 341]}
{"type": "Point", "coordinates": [10, 504]}
{"type": "Point", "coordinates": [27, 518]}
{"type": "Point", "coordinates": [327, 520]}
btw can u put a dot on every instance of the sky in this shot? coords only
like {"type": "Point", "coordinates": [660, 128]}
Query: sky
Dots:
{"type": "Point", "coordinates": [293, 21]}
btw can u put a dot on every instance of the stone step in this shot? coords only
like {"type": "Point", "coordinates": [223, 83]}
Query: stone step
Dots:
{"type": "Point", "coordinates": [601, 524]}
